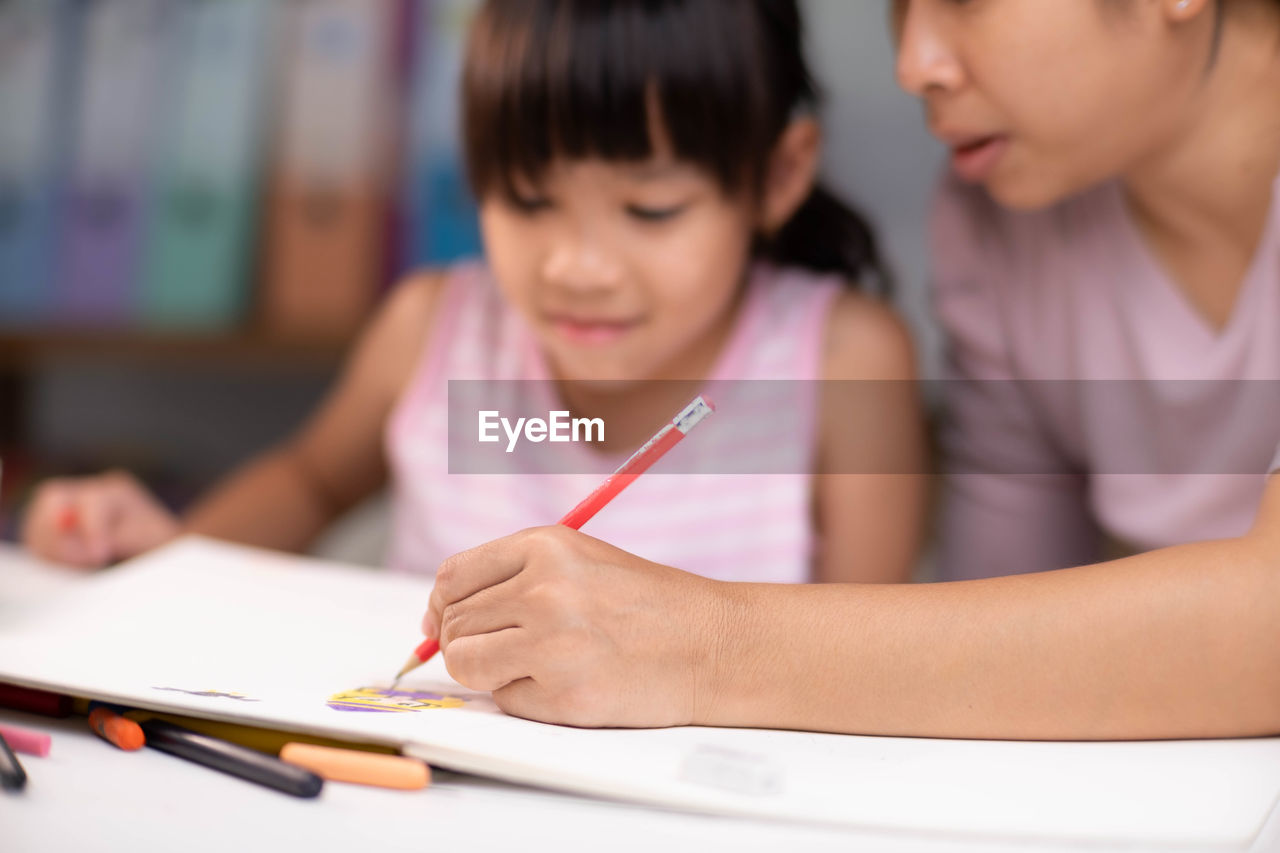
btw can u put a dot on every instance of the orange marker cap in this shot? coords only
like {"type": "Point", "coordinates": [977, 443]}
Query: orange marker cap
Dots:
{"type": "Point", "coordinates": [362, 768]}
{"type": "Point", "coordinates": [117, 730]}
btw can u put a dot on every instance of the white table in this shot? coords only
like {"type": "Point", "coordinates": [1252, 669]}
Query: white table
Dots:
{"type": "Point", "coordinates": [88, 796]}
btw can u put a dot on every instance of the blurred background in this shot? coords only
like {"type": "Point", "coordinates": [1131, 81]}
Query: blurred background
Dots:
{"type": "Point", "coordinates": [201, 201]}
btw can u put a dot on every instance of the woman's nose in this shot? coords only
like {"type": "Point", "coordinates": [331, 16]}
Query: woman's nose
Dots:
{"type": "Point", "coordinates": [926, 59]}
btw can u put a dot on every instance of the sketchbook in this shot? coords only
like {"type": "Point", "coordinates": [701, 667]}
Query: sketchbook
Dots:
{"type": "Point", "coordinates": [255, 637]}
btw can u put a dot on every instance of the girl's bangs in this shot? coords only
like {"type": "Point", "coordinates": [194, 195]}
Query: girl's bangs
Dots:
{"type": "Point", "coordinates": [578, 79]}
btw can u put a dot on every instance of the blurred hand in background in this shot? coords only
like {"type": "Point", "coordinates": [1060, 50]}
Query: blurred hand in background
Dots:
{"type": "Point", "coordinates": [95, 521]}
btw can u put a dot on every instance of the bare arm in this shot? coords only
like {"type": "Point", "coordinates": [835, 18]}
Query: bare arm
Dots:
{"type": "Point", "coordinates": [286, 497]}
{"type": "Point", "coordinates": [869, 495]}
{"type": "Point", "coordinates": [1183, 642]}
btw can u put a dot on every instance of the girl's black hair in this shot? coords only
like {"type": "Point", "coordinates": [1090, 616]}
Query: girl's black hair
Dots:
{"type": "Point", "coordinates": [577, 78]}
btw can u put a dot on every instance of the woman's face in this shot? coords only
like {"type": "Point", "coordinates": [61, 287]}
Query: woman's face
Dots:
{"type": "Point", "coordinates": [1040, 99]}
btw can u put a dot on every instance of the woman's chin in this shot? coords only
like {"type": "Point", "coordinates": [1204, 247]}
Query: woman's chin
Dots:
{"type": "Point", "coordinates": [1024, 191]}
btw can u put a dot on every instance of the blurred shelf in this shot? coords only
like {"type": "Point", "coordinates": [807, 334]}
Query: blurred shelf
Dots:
{"type": "Point", "coordinates": [21, 350]}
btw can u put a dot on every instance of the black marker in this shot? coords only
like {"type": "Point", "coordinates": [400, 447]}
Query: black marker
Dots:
{"type": "Point", "coordinates": [232, 758]}
{"type": "Point", "coordinates": [12, 776]}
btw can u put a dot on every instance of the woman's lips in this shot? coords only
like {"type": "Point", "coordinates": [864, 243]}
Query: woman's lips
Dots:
{"type": "Point", "coordinates": [974, 161]}
{"type": "Point", "coordinates": [590, 332]}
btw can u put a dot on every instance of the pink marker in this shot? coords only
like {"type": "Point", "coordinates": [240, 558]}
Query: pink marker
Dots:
{"type": "Point", "coordinates": [26, 740]}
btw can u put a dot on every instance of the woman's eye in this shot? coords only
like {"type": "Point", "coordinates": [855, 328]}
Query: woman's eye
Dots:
{"type": "Point", "coordinates": [654, 214]}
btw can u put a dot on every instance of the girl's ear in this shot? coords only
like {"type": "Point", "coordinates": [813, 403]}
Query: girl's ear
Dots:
{"type": "Point", "coordinates": [792, 172]}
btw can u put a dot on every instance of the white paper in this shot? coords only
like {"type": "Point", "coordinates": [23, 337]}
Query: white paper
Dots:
{"type": "Point", "coordinates": [286, 633]}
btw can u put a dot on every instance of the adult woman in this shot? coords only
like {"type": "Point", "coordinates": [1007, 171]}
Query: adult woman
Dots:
{"type": "Point", "coordinates": [1163, 113]}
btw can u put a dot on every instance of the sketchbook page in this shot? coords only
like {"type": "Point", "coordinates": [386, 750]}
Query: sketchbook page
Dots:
{"type": "Point", "coordinates": [254, 637]}
{"type": "Point", "coordinates": [228, 632]}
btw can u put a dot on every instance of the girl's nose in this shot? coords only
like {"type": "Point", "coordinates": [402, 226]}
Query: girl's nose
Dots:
{"type": "Point", "coordinates": [581, 265]}
{"type": "Point", "coordinates": [927, 62]}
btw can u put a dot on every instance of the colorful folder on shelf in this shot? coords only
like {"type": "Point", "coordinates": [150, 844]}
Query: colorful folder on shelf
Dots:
{"type": "Point", "coordinates": [330, 187]}
{"type": "Point", "coordinates": [441, 222]}
{"type": "Point", "coordinates": [36, 60]}
{"type": "Point", "coordinates": [197, 260]}
{"type": "Point", "coordinates": [123, 51]}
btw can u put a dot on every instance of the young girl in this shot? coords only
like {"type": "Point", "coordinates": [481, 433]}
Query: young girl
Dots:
{"type": "Point", "coordinates": [645, 173]}
{"type": "Point", "coordinates": [1122, 222]}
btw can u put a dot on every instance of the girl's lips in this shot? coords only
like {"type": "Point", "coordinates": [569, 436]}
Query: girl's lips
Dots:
{"type": "Point", "coordinates": [975, 161]}
{"type": "Point", "coordinates": [592, 332]}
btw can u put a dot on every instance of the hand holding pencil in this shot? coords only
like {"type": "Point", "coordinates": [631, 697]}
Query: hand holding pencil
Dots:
{"type": "Point", "coordinates": [650, 452]}
{"type": "Point", "coordinates": [558, 613]}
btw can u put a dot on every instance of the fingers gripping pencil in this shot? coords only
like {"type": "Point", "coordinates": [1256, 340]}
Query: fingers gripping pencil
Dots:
{"type": "Point", "coordinates": [650, 452]}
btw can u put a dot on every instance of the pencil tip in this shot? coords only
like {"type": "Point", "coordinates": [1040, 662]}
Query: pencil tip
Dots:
{"type": "Point", "coordinates": [409, 666]}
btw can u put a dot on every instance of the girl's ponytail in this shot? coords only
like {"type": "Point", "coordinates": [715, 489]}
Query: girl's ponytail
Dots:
{"type": "Point", "coordinates": [826, 235]}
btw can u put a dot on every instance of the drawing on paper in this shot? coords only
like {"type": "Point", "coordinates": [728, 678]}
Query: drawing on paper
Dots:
{"type": "Point", "coordinates": [384, 699]}
{"type": "Point", "coordinates": [209, 693]}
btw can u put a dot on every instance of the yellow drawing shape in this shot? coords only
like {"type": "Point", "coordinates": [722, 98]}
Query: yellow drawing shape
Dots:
{"type": "Point", "coordinates": [377, 699]}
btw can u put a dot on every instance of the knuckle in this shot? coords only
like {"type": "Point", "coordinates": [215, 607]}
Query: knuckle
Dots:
{"type": "Point", "coordinates": [545, 541]}
{"type": "Point", "coordinates": [460, 661]}
{"type": "Point", "coordinates": [446, 574]}
{"type": "Point", "coordinates": [467, 666]}
{"type": "Point", "coordinates": [450, 619]}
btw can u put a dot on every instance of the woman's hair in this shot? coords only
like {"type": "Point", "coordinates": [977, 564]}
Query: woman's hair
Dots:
{"type": "Point", "coordinates": [546, 79]}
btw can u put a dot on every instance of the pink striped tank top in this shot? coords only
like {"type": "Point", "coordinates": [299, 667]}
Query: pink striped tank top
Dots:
{"type": "Point", "coordinates": [733, 501]}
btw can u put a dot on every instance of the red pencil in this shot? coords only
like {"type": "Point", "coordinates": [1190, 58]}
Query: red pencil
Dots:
{"type": "Point", "coordinates": [650, 452]}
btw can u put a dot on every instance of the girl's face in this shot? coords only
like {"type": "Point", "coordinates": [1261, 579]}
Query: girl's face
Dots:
{"type": "Point", "coordinates": [1040, 99]}
{"type": "Point", "coordinates": [624, 271]}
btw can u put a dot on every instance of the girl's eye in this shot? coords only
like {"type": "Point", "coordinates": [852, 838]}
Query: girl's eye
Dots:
{"type": "Point", "coordinates": [529, 203]}
{"type": "Point", "coordinates": [654, 214]}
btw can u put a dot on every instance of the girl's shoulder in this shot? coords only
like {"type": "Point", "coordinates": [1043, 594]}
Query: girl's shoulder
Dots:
{"type": "Point", "coordinates": [856, 335]}
{"type": "Point", "coordinates": [415, 298]}
{"type": "Point", "coordinates": [866, 338]}
{"type": "Point", "coordinates": [403, 327]}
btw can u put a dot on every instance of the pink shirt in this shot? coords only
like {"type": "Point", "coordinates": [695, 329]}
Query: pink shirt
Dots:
{"type": "Point", "coordinates": [690, 510]}
{"type": "Point", "coordinates": [1174, 449]}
